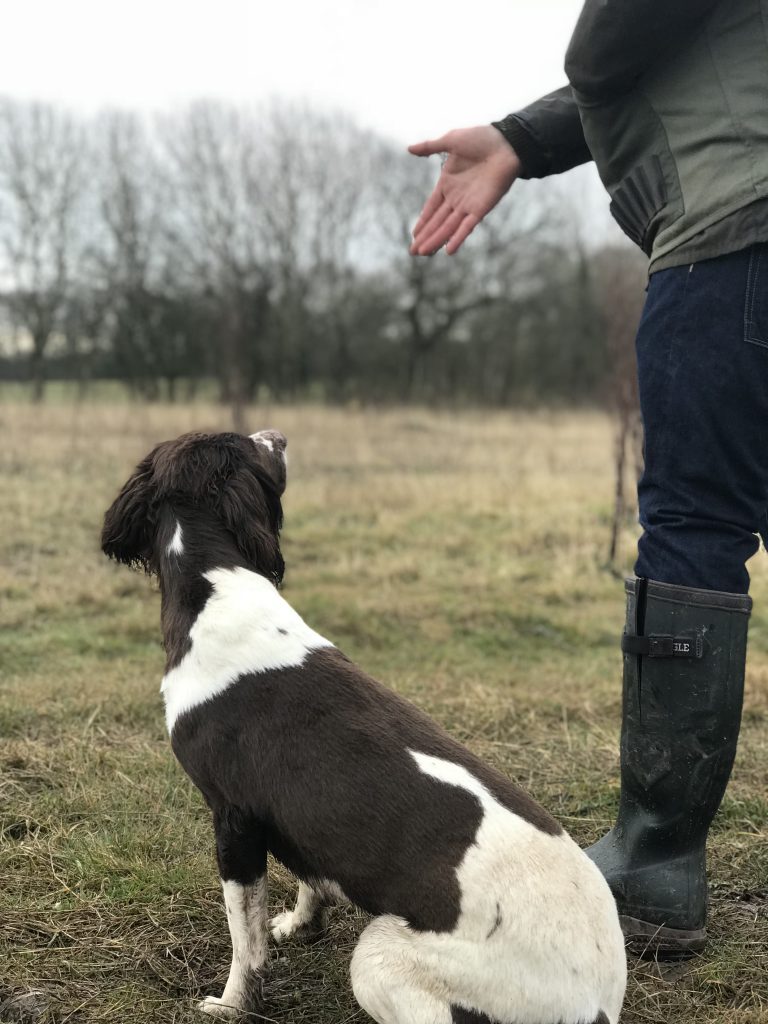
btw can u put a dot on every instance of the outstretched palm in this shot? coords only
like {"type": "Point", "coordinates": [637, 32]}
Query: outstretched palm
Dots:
{"type": "Point", "coordinates": [479, 169]}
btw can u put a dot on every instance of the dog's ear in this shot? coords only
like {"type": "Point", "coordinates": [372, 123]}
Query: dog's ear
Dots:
{"type": "Point", "coordinates": [251, 511]}
{"type": "Point", "coordinates": [271, 445]}
{"type": "Point", "coordinates": [129, 523]}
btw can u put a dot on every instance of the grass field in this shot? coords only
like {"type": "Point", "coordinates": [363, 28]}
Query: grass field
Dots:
{"type": "Point", "coordinates": [458, 557]}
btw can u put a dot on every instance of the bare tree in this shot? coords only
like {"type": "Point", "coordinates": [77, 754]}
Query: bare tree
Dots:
{"type": "Point", "coordinates": [269, 249]}
{"type": "Point", "coordinates": [150, 331]}
{"type": "Point", "coordinates": [315, 193]}
{"type": "Point", "coordinates": [444, 300]}
{"type": "Point", "coordinates": [84, 330]}
{"type": "Point", "coordinates": [619, 283]}
{"type": "Point", "coordinates": [42, 161]}
{"type": "Point", "coordinates": [217, 231]}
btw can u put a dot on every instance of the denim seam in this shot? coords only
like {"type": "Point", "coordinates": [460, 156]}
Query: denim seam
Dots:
{"type": "Point", "coordinates": [673, 346]}
{"type": "Point", "coordinates": [748, 297]}
{"type": "Point", "coordinates": [754, 266]}
{"type": "Point", "coordinates": [753, 276]}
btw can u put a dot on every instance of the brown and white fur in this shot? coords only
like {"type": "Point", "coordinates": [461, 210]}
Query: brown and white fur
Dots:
{"type": "Point", "coordinates": [484, 910]}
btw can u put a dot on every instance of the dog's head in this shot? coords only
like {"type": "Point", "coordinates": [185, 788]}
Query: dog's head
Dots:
{"type": "Point", "coordinates": [225, 481]}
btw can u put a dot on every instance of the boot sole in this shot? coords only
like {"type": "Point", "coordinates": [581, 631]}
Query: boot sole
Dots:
{"type": "Point", "coordinates": [654, 941]}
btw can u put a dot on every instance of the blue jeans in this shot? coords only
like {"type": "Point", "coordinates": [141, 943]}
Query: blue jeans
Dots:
{"type": "Point", "coordinates": [702, 355]}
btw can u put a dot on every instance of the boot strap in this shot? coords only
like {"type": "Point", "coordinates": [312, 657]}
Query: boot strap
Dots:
{"type": "Point", "coordinates": [661, 646]}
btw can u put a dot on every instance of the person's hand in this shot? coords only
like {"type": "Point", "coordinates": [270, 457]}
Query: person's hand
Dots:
{"type": "Point", "coordinates": [479, 169]}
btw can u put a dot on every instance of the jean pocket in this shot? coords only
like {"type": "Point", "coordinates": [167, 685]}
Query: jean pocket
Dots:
{"type": "Point", "coordinates": [756, 307]}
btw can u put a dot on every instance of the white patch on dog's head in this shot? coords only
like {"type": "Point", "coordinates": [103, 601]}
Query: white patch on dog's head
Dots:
{"type": "Point", "coordinates": [176, 545]}
{"type": "Point", "coordinates": [274, 443]}
{"type": "Point", "coordinates": [266, 441]}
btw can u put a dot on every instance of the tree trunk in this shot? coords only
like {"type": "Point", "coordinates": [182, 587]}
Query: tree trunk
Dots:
{"type": "Point", "coordinates": [37, 368]}
{"type": "Point", "coordinates": [83, 379]}
{"type": "Point", "coordinates": [237, 407]}
{"type": "Point", "coordinates": [618, 495]}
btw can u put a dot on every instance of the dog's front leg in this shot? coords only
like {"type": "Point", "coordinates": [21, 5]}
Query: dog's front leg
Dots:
{"type": "Point", "coordinates": [243, 866]}
{"type": "Point", "coordinates": [303, 917]}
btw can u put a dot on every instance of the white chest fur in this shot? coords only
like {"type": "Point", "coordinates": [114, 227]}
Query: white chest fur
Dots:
{"type": "Point", "coordinates": [245, 627]}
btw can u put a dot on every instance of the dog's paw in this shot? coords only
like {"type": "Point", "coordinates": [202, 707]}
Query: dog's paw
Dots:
{"type": "Point", "coordinates": [216, 1007]}
{"type": "Point", "coordinates": [286, 924]}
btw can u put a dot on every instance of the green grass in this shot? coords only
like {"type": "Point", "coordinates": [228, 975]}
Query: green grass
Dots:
{"type": "Point", "coordinates": [459, 558]}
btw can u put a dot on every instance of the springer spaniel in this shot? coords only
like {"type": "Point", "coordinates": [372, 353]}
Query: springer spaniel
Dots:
{"type": "Point", "coordinates": [484, 910]}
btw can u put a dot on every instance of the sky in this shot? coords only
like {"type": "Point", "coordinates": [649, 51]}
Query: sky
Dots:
{"type": "Point", "coordinates": [407, 68]}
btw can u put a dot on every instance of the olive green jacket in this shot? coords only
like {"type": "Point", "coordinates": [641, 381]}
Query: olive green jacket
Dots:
{"type": "Point", "coordinates": [671, 101]}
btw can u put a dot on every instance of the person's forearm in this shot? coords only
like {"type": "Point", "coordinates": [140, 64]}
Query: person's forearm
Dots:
{"type": "Point", "coordinates": [547, 135]}
{"type": "Point", "coordinates": [617, 41]}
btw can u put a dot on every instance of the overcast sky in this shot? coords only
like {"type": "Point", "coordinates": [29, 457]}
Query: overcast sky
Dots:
{"type": "Point", "coordinates": [408, 68]}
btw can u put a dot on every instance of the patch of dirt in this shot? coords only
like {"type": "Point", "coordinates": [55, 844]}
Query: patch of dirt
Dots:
{"type": "Point", "coordinates": [23, 1007]}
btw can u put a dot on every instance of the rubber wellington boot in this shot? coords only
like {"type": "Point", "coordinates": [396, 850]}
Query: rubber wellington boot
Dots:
{"type": "Point", "coordinates": [684, 653]}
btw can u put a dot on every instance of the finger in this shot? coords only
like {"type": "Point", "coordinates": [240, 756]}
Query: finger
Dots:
{"type": "Point", "coordinates": [430, 147]}
{"type": "Point", "coordinates": [431, 206]}
{"type": "Point", "coordinates": [441, 214]}
{"type": "Point", "coordinates": [438, 238]}
{"type": "Point", "coordinates": [465, 229]}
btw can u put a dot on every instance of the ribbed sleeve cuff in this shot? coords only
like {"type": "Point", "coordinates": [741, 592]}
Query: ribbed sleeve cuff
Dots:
{"type": "Point", "coordinates": [535, 162]}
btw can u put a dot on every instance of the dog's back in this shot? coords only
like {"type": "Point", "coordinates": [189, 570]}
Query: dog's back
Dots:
{"type": "Point", "coordinates": [355, 786]}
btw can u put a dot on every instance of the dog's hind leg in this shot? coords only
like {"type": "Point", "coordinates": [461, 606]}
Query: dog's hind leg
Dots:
{"type": "Point", "coordinates": [305, 914]}
{"type": "Point", "coordinates": [392, 981]}
{"type": "Point", "coordinates": [242, 860]}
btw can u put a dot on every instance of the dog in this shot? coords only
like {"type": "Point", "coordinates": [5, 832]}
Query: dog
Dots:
{"type": "Point", "coordinates": [484, 910]}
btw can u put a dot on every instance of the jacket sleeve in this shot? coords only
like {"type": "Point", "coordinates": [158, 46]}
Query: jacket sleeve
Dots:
{"type": "Point", "coordinates": [547, 135]}
{"type": "Point", "coordinates": [617, 41]}
{"type": "Point", "coordinates": [614, 43]}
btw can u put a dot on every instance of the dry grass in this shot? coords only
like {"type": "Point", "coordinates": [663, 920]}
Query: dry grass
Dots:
{"type": "Point", "coordinates": [457, 557]}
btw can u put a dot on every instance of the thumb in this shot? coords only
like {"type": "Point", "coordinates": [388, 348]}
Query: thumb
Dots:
{"type": "Point", "coordinates": [431, 147]}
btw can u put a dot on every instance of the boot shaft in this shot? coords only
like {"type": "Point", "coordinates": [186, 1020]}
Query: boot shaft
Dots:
{"type": "Point", "coordinates": [684, 658]}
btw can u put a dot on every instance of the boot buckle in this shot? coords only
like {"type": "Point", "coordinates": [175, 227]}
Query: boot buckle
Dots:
{"type": "Point", "coordinates": [658, 645]}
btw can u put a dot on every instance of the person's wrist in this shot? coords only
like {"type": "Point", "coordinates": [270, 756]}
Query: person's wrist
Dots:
{"type": "Point", "coordinates": [533, 163]}
{"type": "Point", "coordinates": [506, 156]}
